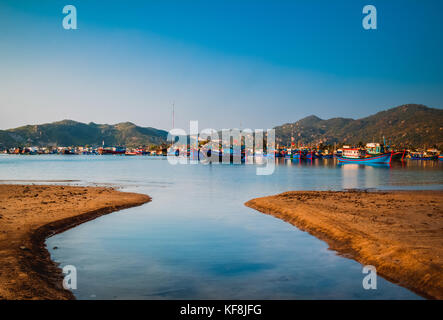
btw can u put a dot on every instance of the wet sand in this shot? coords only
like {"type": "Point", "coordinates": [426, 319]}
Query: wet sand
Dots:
{"type": "Point", "coordinates": [399, 232]}
{"type": "Point", "coordinates": [31, 213]}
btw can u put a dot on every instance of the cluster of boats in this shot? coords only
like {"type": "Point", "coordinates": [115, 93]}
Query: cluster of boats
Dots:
{"type": "Point", "coordinates": [352, 155]}
{"type": "Point", "coordinates": [86, 151]}
{"type": "Point", "coordinates": [424, 156]}
{"type": "Point", "coordinates": [372, 153]}
{"type": "Point", "coordinates": [129, 152]}
{"type": "Point", "coordinates": [302, 154]}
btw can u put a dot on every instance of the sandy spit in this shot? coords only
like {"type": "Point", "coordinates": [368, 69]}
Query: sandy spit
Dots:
{"type": "Point", "coordinates": [31, 213]}
{"type": "Point", "coordinates": [398, 232]}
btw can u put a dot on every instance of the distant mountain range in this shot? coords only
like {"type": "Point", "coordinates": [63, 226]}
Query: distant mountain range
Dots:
{"type": "Point", "coordinates": [406, 125]}
{"type": "Point", "coordinates": [72, 133]}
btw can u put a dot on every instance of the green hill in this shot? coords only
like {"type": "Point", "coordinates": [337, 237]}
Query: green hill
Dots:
{"type": "Point", "coordinates": [406, 125]}
{"type": "Point", "coordinates": [72, 133]}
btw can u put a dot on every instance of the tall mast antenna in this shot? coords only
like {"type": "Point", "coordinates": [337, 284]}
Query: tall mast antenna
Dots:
{"type": "Point", "coordinates": [173, 122]}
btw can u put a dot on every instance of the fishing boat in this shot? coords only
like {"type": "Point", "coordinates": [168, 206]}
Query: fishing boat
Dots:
{"type": "Point", "coordinates": [311, 155]}
{"type": "Point", "coordinates": [357, 155]}
{"type": "Point", "coordinates": [292, 154]}
{"type": "Point", "coordinates": [279, 153]}
{"type": "Point", "coordinates": [318, 155]}
{"type": "Point", "coordinates": [400, 155]}
{"type": "Point", "coordinates": [136, 152]}
{"type": "Point", "coordinates": [112, 150]}
{"type": "Point", "coordinates": [66, 151]}
{"type": "Point", "coordinates": [422, 156]}
{"type": "Point", "coordinates": [141, 152]}
{"type": "Point", "coordinates": [327, 156]}
{"type": "Point", "coordinates": [288, 154]}
{"type": "Point", "coordinates": [296, 155]}
{"type": "Point", "coordinates": [375, 149]}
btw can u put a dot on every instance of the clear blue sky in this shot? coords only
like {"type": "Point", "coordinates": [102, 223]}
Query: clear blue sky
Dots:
{"type": "Point", "coordinates": [258, 63]}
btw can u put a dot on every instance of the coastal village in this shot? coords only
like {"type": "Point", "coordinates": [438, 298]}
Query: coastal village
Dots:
{"type": "Point", "coordinates": [406, 132]}
{"type": "Point", "coordinates": [292, 153]}
{"type": "Point", "coordinates": [87, 150]}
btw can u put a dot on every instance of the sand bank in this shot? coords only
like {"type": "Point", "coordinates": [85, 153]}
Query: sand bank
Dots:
{"type": "Point", "coordinates": [400, 233]}
{"type": "Point", "coordinates": [30, 214]}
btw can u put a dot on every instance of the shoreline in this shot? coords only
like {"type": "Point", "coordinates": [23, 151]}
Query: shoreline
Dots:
{"type": "Point", "coordinates": [399, 232]}
{"type": "Point", "coordinates": [26, 268]}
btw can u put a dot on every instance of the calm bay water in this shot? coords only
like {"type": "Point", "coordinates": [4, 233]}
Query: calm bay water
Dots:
{"type": "Point", "coordinates": [197, 240]}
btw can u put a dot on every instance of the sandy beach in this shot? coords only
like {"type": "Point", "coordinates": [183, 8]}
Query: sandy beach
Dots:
{"type": "Point", "coordinates": [399, 232]}
{"type": "Point", "coordinates": [31, 213]}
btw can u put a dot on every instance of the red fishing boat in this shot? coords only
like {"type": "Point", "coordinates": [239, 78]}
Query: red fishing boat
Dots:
{"type": "Point", "coordinates": [111, 150]}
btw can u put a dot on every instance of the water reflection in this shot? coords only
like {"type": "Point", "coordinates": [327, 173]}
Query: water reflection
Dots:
{"type": "Point", "coordinates": [196, 239]}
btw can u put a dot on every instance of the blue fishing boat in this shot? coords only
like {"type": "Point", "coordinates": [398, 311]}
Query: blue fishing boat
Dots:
{"type": "Point", "coordinates": [421, 156]}
{"type": "Point", "coordinates": [311, 155]}
{"type": "Point", "coordinates": [292, 154]}
{"type": "Point", "coordinates": [296, 155]}
{"type": "Point", "coordinates": [356, 155]}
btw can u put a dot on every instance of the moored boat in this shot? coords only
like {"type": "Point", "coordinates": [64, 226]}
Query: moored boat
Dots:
{"type": "Point", "coordinates": [356, 155]}
{"type": "Point", "coordinates": [136, 152]}
{"type": "Point", "coordinates": [297, 155]}
{"type": "Point", "coordinates": [375, 149]}
{"type": "Point", "coordinates": [400, 155]}
{"type": "Point", "coordinates": [422, 156]}
{"type": "Point", "coordinates": [288, 154]}
{"type": "Point", "coordinates": [67, 151]}
{"type": "Point", "coordinates": [113, 150]}
{"type": "Point", "coordinates": [311, 155]}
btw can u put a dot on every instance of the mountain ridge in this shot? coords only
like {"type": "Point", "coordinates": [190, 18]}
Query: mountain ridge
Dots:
{"type": "Point", "coordinates": [405, 125]}
{"type": "Point", "coordinates": [410, 125]}
{"type": "Point", "coordinates": [71, 133]}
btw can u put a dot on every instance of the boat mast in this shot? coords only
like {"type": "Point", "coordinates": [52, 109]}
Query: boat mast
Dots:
{"type": "Point", "coordinates": [173, 106]}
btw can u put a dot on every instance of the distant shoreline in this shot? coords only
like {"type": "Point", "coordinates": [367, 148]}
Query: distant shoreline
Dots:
{"type": "Point", "coordinates": [404, 126]}
{"type": "Point", "coordinates": [398, 232]}
{"type": "Point", "coordinates": [31, 213]}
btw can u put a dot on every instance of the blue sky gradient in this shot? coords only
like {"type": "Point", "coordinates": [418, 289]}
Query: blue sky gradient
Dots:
{"type": "Point", "coordinates": [225, 63]}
